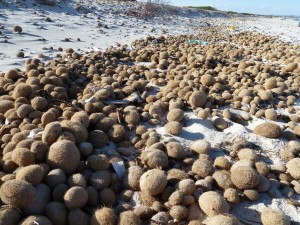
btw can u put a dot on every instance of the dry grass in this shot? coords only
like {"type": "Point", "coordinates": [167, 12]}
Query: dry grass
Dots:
{"type": "Point", "coordinates": [48, 2]}
{"type": "Point", "coordinates": [154, 8]}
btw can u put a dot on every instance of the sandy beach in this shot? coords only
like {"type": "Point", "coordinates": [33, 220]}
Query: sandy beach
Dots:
{"type": "Point", "coordinates": [110, 116]}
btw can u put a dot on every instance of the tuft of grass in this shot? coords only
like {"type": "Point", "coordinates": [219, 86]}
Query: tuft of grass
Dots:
{"type": "Point", "coordinates": [235, 13]}
{"type": "Point", "coordinates": [210, 8]}
{"type": "Point", "coordinates": [154, 8]}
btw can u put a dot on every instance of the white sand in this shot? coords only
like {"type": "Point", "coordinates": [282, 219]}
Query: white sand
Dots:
{"type": "Point", "coordinates": [39, 35]}
{"type": "Point", "coordinates": [203, 129]}
{"type": "Point", "coordinates": [285, 29]}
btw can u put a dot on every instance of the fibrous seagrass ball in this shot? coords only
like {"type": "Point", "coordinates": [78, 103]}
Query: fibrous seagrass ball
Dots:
{"type": "Point", "coordinates": [32, 174]}
{"type": "Point", "coordinates": [17, 29]}
{"type": "Point", "coordinates": [153, 181]}
{"type": "Point", "coordinates": [154, 158]}
{"type": "Point", "coordinates": [5, 105]}
{"type": "Point", "coordinates": [77, 180]}
{"type": "Point", "coordinates": [220, 124]}
{"type": "Point", "coordinates": [98, 138]}
{"type": "Point", "coordinates": [222, 163]}
{"type": "Point", "coordinates": [55, 177]}
{"type": "Point", "coordinates": [186, 186]}
{"type": "Point", "coordinates": [294, 146]}
{"type": "Point", "coordinates": [51, 132]}
{"type": "Point", "coordinates": [57, 213]}
{"type": "Point", "coordinates": [269, 130]}
{"type": "Point", "coordinates": [197, 99]}
{"type": "Point", "coordinates": [273, 216]}
{"type": "Point", "coordinates": [39, 149]}
{"type": "Point", "coordinates": [64, 155]}
{"type": "Point", "coordinates": [24, 110]}
{"type": "Point", "coordinates": [212, 203]}
{"type": "Point", "coordinates": [173, 128]}
{"type": "Point", "coordinates": [287, 154]}
{"type": "Point", "coordinates": [270, 83]}
{"type": "Point", "coordinates": [22, 156]}
{"type": "Point", "coordinates": [48, 117]}
{"type": "Point", "coordinates": [144, 212]}
{"type": "Point", "coordinates": [222, 178]}
{"type": "Point", "coordinates": [59, 191]}
{"type": "Point", "coordinates": [297, 130]}
{"type": "Point", "coordinates": [251, 194]}
{"type": "Point", "coordinates": [98, 162]}
{"type": "Point", "coordinates": [195, 222]}
{"type": "Point", "coordinates": [175, 150]}
{"type": "Point", "coordinates": [200, 146]}
{"type": "Point", "coordinates": [42, 197]}
{"type": "Point", "coordinates": [207, 80]}
{"type": "Point", "coordinates": [107, 197]}
{"type": "Point", "coordinates": [78, 130]}
{"type": "Point", "coordinates": [263, 185]}
{"type": "Point", "coordinates": [61, 70]}
{"type": "Point", "coordinates": [132, 176]}
{"type": "Point", "coordinates": [78, 217]}
{"type": "Point", "coordinates": [9, 216]}
{"type": "Point", "coordinates": [291, 67]}
{"type": "Point", "coordinates": [85, 148]}
{"type": "Point", "coordinates": [232, 195]}
{"type": "Point", "coordinates": [244, 177]}
{"type": "Point", "coordinates": [116, 133]}
{"type": "Point", "coordinates": [132, 117]}
{"type": "Point", "coordinates": [227, 114]}
{"type": "Point", "coordinates": [223, 219]}
{"type": "Point", "coordinates": [175, 115]}
{"type": "Point", "coordinates": [39, 103]}
{"type": "Point", "coordinates": [203, 114]}
{"type": "Point", "coordinates": [17, 193]}
{"type": "Point", "coordinates": [104, 215]}
{"type": "Point", "coordinates": [93, 194]}
{"type": "Point", "coordinates": [175, 175]}
{"type": "Point", "coordinates": [41, 220]}
{"type": "Point", "coordinates": [178, 212]}
{"type": "Point", "coordinates": [175, 198]}
{"type": "Point", "coordinates": [22, 90]}
{"type": "Point", "coordinates": [128, 217]}
{"type": "Point", "coordinates": [140, 130]}
{"type": "Point", "coordinates": [293, 168]}
{"type": "Point", "coordinates": [203, 167]}
{"type": "Point", "coordinates": [82, 118]}
{"type": "Point", "coordinates": [242, 162]}
{"type": "Point", "coordinates": [262, 168]}
{"type": "Point", "coordinates": [100, 179]}
{"type": "Point", "coordinates": [247, 153]}
{"type": "Point", "coordinates": [271, 114]}
{"type": "Point", "coordinates": [75, 197]}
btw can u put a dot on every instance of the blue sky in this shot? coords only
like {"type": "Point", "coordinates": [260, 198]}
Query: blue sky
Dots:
{"type": "Point", "coordinates": [268, 7]}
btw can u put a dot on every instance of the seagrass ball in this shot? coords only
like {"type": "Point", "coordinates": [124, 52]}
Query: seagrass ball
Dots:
{"type": "Point", "coordinates": [17, 193]}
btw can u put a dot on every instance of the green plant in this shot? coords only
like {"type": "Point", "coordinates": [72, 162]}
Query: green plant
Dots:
{"type": "Point", "coordinates": [210, 8]}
